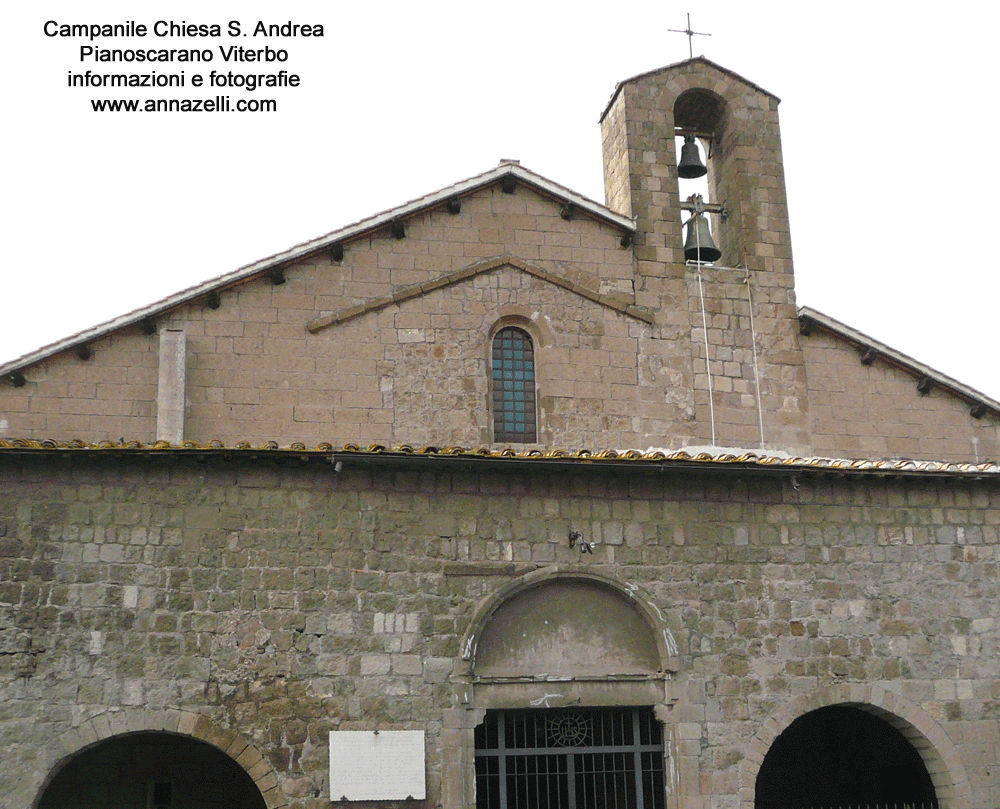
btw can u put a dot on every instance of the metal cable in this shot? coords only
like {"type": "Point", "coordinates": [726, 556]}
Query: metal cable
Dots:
{"type": "Point", "coordinates": [704, 325]}
{"type": "Point", "coordinates": [756, 373]}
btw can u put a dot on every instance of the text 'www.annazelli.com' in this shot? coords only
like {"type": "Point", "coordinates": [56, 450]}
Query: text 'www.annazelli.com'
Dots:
{"type": "Point", "coordinates": [216, 104]}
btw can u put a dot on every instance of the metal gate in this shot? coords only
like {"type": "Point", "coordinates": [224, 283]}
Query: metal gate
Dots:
{"type": "Point", "coordinates": [585, 758]}
{"type": "Point", "coordinates": [862, 805]}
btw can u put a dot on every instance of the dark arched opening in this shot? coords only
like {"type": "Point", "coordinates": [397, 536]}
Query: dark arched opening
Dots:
{"type": "Point", "coordinates": [699, 118]}
{"type": "Point", "coordinates": [843, 756]}
{"type": "Point", "coordinates": [153, 771]}
{"type": "Point", "coordinates": [699, 110]}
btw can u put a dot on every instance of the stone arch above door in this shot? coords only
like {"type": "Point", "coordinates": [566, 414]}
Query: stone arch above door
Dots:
{"type": "Point", "coordinates": [119, 723]}
{"type": "Point", "coordinates": [928, 738]}
{"type": "Point", "coordinates": [602, 641]}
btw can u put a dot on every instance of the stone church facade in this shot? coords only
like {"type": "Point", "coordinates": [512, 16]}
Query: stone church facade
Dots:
{"type": "Point", "coordinates": [608, 527]}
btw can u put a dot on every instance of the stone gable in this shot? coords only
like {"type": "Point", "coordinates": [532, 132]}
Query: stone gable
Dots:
{"type": "Point", "coordinates": [197, 588]}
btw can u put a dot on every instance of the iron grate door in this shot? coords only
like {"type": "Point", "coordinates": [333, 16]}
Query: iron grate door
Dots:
{"type": "Point", "coordinates": [583, 758]}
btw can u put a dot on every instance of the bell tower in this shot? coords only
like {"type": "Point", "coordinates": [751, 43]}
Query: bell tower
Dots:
{"type": "Point", "coordinates": [731, 310]}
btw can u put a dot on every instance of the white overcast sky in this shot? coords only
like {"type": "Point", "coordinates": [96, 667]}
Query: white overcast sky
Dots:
{"type": "Point", "coordinates": [888, 131]}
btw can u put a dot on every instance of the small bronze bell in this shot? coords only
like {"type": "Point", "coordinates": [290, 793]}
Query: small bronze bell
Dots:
{"type": "Point", "coordinates": [698, 244]}
{"type": "Point", "coordinates": [690, 165]}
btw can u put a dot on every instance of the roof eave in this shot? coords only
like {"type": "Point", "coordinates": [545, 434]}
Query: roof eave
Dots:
{"type": "Point", "coordinates": [631, 462]}
{"type": "Point", "coordinates": [897, 358]}
{"type": "Point", "coordinates": [702, 59]}
{"type": "Point", "coordinates": [345, 234]}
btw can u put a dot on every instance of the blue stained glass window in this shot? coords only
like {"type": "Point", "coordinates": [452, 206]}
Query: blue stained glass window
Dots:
{"type": "Point", "coordinates": [513, 386]}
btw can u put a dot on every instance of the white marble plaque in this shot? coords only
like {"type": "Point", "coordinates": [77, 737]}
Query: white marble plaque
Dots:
{"type": "Point", "coordinates": [385, 765]}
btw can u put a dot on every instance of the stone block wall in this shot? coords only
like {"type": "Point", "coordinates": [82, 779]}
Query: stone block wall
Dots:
{"type": "Point", "coordinates": [256, 373]}
{"type": "Point", "coordinates": [629, 340]}
{"type": "Point", "coordinates": [112, 393]}
{"type": "Point", "coordinates": [876, 411]}
{"type": "Point", "coordinates": [433, 371]}
{"type": "Point", "coordinates": [746, 177]}
{"type": "Point", "coordinates": [757, 373]}
{"type": "Point", "coordinates": [260, 605]}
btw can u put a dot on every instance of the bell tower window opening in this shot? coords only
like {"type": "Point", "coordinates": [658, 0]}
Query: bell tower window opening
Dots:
{"type": "Point", "coordinates": [698, 121]}
{"type": "Point", "coordinates": [581, 758]}
{"type": "Point", "coordinates": [513, 378]}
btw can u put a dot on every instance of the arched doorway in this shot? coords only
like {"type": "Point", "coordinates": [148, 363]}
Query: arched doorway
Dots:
{"type": "Point", "coordinates": [570, 758]}
{"type": "Point", "coordinates": [151, 770]}
{"type": "Point", "coordinates": [568, 678]}
{"type": "Point", "coordinates": [842, 755]}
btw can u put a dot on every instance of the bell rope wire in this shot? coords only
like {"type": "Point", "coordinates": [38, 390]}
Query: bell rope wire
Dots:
{"type": "Point", "coordinates": [753, 340]}
{"type": "Point", "coordinates": [704, 326]}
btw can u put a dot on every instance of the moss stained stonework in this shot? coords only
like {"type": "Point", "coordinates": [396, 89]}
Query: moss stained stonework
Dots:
{"type": "Point", "coordinates": [160, 592]}
{"type": "Point", "coordinates": [277, 603]}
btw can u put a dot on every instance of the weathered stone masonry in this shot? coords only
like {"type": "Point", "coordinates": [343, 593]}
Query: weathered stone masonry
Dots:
{"type": "Point", "coordinates": [274, 600]}
{"type": "Point", "coordinates": [196, 587]}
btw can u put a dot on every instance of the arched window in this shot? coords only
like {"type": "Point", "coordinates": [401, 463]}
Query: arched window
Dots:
{"type": "Point", "coordinates": [513, 386]}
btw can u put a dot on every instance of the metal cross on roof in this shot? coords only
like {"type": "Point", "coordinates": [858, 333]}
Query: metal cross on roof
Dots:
{"type": "Point", "coordinates": [690, 34]}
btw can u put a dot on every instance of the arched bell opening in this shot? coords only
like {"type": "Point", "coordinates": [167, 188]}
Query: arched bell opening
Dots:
{"type": "Point", "coordinates": [843, 755]}
{"type": "Point", "coordinates": [698, 121]}
{"type": "Point", "coordinates": [151, 770]}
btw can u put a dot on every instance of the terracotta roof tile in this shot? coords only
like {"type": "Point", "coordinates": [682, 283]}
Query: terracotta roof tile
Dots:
{"type": "Point", "coordinates": [679, 459]}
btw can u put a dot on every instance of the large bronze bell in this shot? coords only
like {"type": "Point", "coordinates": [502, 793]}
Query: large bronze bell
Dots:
{"type": "Point", "coordinates": [698, 244]}
{"type": "Point", "coordinates": [690, 165]}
